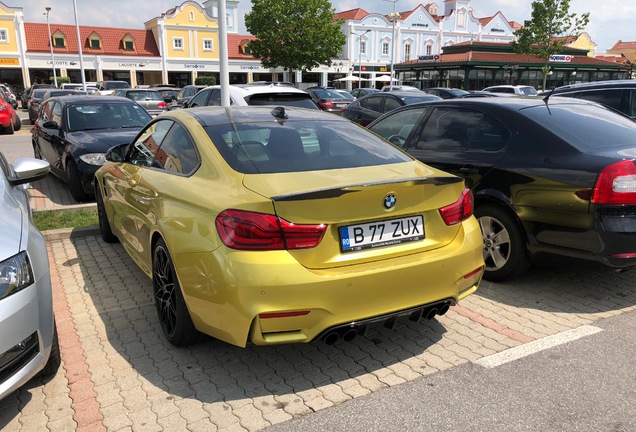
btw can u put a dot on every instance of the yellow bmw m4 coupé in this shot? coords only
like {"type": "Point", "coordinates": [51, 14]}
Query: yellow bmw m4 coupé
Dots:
{"type": "Point", "coordinates": [280, 225]}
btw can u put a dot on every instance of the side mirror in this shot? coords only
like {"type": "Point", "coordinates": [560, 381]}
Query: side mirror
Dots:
{"type": "Point", "coordinates": [50, 125]}
{"type": "Point", "coordinates": [116, 153]}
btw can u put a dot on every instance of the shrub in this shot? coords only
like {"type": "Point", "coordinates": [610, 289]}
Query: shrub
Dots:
{"type": "Point", "coordinates": [205, 80]}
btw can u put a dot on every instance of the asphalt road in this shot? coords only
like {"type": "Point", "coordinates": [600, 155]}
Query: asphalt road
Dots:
{"type": "Point", "coordinates": [584, 385]}
{"type": "Point", "coordinates": [18, 144]}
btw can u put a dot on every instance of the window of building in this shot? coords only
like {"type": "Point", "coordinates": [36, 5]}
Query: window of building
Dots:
{"type": "Point", "coordinates": [363, 47]}
{"type": "Point", "coordinates": [177, 43]}
{"type": "Point", "coordinates": [461, 19]}
{"type": "Point", "coordinates": [59, 40]}
{"type": "Point", "coordinates": [385, 48]}
{"type": "Point", "coordinates": [129, 45]}
{"type": "Point", "coordinates": [207, 45]}
{"type": "Point", "coordinates": [191, 15]}
{"type": "Point", "coordinates": [407, 52]}
{"type": "Point", "coordinates": [4, 35]}
{"type": "Point", "coordinates": [94, 41]}
{"type": "Point", "coordinates": [429, 49]}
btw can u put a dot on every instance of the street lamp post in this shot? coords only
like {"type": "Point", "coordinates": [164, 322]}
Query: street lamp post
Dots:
{"type": "Point", "coordinates": [393, 17]}
{"type": "Point", "coordinates": [360, 55]}
{"type": "Point", "coordinates": [48, 9]}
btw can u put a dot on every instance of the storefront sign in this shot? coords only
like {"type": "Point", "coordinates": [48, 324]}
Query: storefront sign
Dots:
{"type": "Point", "coordinates": [9, 61]}
{"type": "Point", "coordinates": [497, 30]}
{"type": "Point", "coordinates": [419, 25]}
{"type": "Point", "coordinates": [561, 58]}
{"type": "Point", "coordinates": [252, 67]}
{"type": "Point", "coordinates": [194, 66]}
{"type": "Point", "coordinates": [428, 58]}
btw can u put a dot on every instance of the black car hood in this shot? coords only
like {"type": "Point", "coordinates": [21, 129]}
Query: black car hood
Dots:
{"type": "Point", "coordinates": [100, 140]}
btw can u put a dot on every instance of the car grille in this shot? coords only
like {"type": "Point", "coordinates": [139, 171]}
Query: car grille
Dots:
{"type": "Point", "coordinates": [19, 355]}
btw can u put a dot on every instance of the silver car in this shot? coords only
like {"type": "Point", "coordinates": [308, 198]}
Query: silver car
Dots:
{"type": "Point", "coordinates": [28, 339]}
{"type": "Point", "coordinates": [150, 99]}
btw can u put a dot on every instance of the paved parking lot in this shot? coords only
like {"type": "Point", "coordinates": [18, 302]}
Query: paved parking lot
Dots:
{"type": "Point", "coordinates": [119, 373]}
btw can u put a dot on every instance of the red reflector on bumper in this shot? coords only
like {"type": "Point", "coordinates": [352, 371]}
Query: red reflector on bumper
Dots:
{"type": "Point", "coordinates": [473, 273]}
{"type": "Point", "coordinates": [625, 255]}
{"type": "Point", "coordinates": [283, 314]}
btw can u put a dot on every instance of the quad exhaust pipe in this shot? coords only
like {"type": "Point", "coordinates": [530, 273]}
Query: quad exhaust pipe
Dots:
{"type": "Point", "coordinates": [348, 332]}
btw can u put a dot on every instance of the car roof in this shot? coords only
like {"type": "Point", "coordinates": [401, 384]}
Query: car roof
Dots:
{"type": "Point", "coordinates": [239, 90]}
{"type": "Point", "coordinates": [74, 99]}
{"type": "Point", "coordinates": [597, 84]}
{"type": "Point", "coordinates": [215, 115]}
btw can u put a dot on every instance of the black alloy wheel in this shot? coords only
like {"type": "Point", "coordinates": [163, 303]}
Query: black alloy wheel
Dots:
{"type": "Point", "coordinates": [171, 308]}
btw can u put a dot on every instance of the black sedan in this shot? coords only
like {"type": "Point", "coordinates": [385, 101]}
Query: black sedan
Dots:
{"type": "Point", "coordinates": [73, 133]}
{"type": "Point", "coordinates": [368, 108]}
{"type": "Point", "coordinates": [549, 176]}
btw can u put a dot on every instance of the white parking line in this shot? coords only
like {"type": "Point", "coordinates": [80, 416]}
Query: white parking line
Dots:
{"type": "Point", "coordinates": [536, 346]}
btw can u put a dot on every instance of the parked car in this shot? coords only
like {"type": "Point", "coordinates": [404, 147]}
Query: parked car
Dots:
{"type": "Point", "coordinates": [345, 94]}
{"type": "Point", "coordinates": [34, 101]}
{"type": "Point", "coordinates": [363, 91]}
{"type": "Point", "coordinates": [242, 95]}
{"type": "Point", "coordinates": [512, 90]}
{"type": "Point", "coordinates": [368, 108]}
{"type": "Point", "coordinates": [28, 340]}
{"type": "Point", "coordinates": [446, 93]}
{"type": "Point", "coordinates": [10, 96]}
{"type": "Point", "coordinates": [548, 177]}
{"type": "Point", "coordinates": [150, 99]}
{"type": "Point", "coordinates": [184, 95]}
{"type": "Point", "coordinates": [49, 93]}
{"type": "Point", "coordinates": [9, 119]}
{"type": "Point", "coordinates": [395, 87]}
{"type": "Point", "coordinates": [479, 93]}
{"type": "Point", "coordinates": [73, 133]}
{"type": "Point", "coordinates": [280, 225]}
{"type": "Point", "coordinates": [617, 94]}
{"type": "Point", "coordinates": [26, 94]}
{"type": "Point", "coordinates": [329, 99]}
{"type": "Point", "coordinates": [168, 94]}
{"type": "Point", "coordinates": [72, 86]}
{"type": "Point", "coordinates": [105, 88]}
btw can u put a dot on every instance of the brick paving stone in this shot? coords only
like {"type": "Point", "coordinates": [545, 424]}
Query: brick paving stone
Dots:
{"type": "Point", "coordinates": [62, 424]}
{"type": "Point", "coordinates": [370, 382]}
{"type": "Point", "coordinates": [202, 426]}
{"type": "Point", "coordinates": [251, 418]}
{"type": "Point", "coordinates": [191, 410]}
{"type": "Point", "coordinates": [221, 414]}
{"type": "Point", "coordinates": [172, 422]}
{"type": "Point", "coordinates": [144, 420]}
{"type": "Point", "coordinates": [162, 404]}
{"type": "Point", "coordinates": [293, 404]}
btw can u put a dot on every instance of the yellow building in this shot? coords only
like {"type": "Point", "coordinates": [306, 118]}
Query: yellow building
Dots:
{"type": "Point", "coordinates": [11, 41]}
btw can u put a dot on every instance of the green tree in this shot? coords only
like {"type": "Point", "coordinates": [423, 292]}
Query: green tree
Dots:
{"type": "Point", "coordinates": [294, 34]}
{"type": "Point", "coordinates": [545, 33]}
{"type": "Point", "coordinates": [205, 80]}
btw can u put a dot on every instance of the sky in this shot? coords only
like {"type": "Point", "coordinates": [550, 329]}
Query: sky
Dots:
{"type": "Point", "coordinates": [610, 20]}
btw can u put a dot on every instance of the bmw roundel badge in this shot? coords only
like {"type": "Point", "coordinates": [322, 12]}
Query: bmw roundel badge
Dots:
{"type": "Point", "coordinates": [389, 201]}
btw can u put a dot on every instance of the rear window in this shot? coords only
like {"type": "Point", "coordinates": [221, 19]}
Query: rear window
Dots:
{"type": "Point", "coordinates": [301, 146]}
{"type": "Point", "coordinates": [300, 100]}
{"type": "Point", "coordinates": [145, 95]}
{"type": "Point", "coordinates": [589, 128]}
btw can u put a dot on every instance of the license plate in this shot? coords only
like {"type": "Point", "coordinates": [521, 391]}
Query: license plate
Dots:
{"type": "Point", "coordinates": [381, 233]}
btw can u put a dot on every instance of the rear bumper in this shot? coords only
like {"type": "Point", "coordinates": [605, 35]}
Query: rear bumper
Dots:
{"type": "Point", "coordinates": [273, 299]}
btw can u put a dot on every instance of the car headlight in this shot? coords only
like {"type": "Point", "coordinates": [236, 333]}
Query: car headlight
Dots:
{"type": "Point", "coordinates": [94, 158]}
{"type": "Point", "coordinates": [15, 274]}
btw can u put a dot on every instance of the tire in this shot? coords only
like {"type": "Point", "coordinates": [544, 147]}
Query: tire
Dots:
{"type": "Point", "coordinates": [18, 123]}
{"type": "Point", "coordinates": [504, 247]}
{"type": "Point", "coordinates": [53, 364]}
{"type": "Point", "coordinates": [9, 129]}
{"type": "Point", "coordinates": [75, 183]}
{"type": "Point", "coordinates": [104, 223]}
{"type": "Point", "coordinates": [171, 308]}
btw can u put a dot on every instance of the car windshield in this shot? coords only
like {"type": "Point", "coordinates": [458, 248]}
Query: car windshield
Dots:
{"type": "Point", "coordinates": [145, 95]}
{"type": "Point", "coordinates": [589, 128]}
{"type": "Point", "coordinates": [38, 93]}
{"type": "Point", "coordinates": [408, 100]}
{"type": "Point", "coordinates": [91, 116]}
{"type": "Point", "coordinates": [300, 100]}
{"type": "Point", "coordinates": [116, 85]}
{"type": "Point", "coordinates": [296, 146]}
{"type": "Point", "coordinates": [529, 91]}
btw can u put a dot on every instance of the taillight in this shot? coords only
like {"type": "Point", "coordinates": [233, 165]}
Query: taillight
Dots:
{"type": "Point", "coordinates": [245, 230]}
{"type": "Point", "coordinates": [325, 104]}
{"type": "Point", "coordinates": [162, 105]}
{"type": "Point", "coordinates": [460, 210]}
{"type": "Point", "coordinates": [616, 184]}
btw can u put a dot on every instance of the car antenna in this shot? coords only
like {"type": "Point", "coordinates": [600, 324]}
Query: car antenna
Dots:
{"type": "Point", "coordinates": [279, 113]}
{"type": "Point", "coordinates": [545, 99]}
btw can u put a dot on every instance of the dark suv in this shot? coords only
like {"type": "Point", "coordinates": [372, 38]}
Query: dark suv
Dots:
{"type": "Point", "coordinates": [617, 94]}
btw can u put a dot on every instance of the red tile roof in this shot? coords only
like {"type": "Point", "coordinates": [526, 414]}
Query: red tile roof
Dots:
{"type": "Point", "coordinates": [37, 40]}
{"type": "Point", "coordinates": [234, 44]}
{"type": "Point", "coordinates": [620, 45]}
{"type": "Point", "coordinates": [353, 14]}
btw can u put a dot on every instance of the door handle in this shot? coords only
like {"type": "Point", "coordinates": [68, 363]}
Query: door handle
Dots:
{"type": "Point", "coordinates": [132, 182]}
